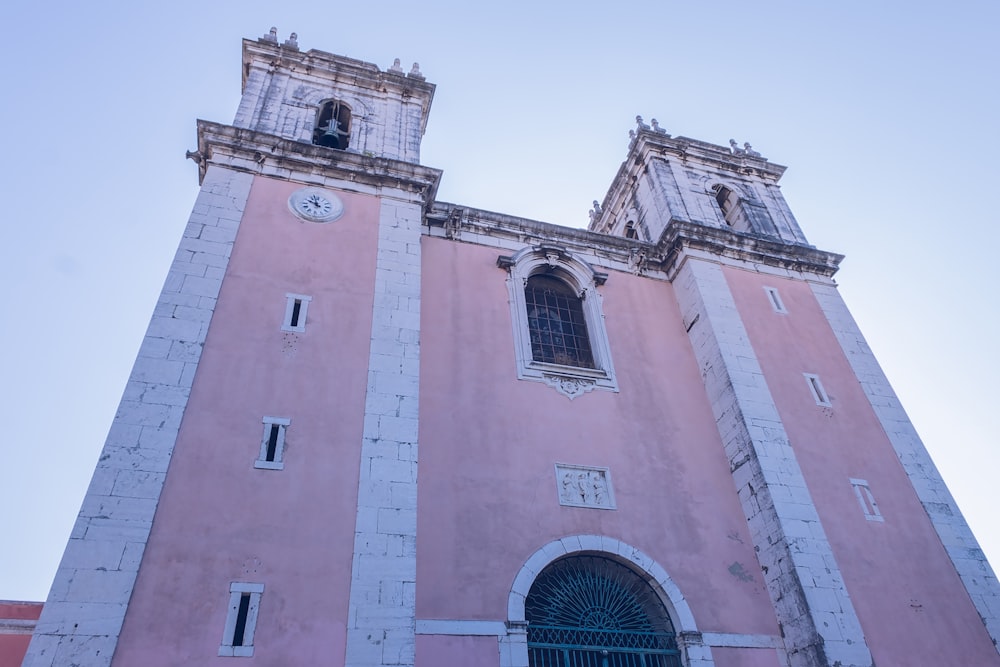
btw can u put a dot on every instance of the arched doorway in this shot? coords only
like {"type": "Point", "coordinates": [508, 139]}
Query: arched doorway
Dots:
{"type": "Point", "coordinates": [591, 611]}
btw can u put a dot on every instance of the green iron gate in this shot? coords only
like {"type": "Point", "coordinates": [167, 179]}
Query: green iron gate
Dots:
{"type": "Point", "coordinates": [590, 611]}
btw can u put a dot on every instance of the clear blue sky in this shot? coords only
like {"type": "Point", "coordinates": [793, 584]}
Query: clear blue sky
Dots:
{"type": "Point", "coordinates": [882, 111]}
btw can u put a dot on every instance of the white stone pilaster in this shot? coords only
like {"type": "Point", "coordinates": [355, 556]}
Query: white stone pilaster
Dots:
{"type": "Point", "coordinates": [382, 611]}
{"type": "Point", "coordinates": [85, 609]}
{"type": "Point", "coordinates": [818, 620]}
{"type": "Point", "coordinates": [955, 534]}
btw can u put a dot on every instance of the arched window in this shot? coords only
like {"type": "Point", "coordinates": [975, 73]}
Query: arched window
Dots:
{"type": "Point", "coordinates": [591, 611]}
{"type": "Point", "coordinates": [731, 207]}
{"type": "Point", "coordinates": [556, 323]}
{"type": "Point", "coordinates": [333, 125]}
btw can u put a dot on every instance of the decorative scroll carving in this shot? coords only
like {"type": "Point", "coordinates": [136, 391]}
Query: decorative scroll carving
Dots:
{"type": "Point", "coordinates": [584, 486]}
{"type": "Point", "coordinates": [569, 386]}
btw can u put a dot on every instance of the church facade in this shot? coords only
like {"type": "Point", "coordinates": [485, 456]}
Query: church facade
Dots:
{"type": "Point", "coordinates": [367, 427]}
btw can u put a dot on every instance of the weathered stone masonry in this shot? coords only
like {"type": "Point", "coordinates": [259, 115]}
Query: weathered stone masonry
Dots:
{"type": "Point", "coordinates": [956, 536]}
{"type": "Point", "coordinates": [382, 612]}
{"type": "Point", "coordinates": [810, 598]}
{"type": "Point", "coordinates": [86, 606]}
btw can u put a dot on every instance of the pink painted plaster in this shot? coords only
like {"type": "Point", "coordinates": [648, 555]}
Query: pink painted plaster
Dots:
{"type": "Point", "coordinates": [908, 597]}
{"type": "Point", "coordinates": [487, 495]}
{"type": "Point", "coordinates": [292, 530]}
{"type": "Point", "coordinates": [746, 657]}
{"type": "Point", "coordinates": [443, 650]}
{"type": "Point", "coordinates": [13, 641]}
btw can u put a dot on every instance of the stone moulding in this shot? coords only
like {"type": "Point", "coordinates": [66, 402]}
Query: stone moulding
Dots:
{"type": "Point", "coordinates": [570, 381]}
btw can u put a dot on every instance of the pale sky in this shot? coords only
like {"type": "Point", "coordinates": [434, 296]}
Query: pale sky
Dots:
{"type": "Point", "coordinates": [880, 110]}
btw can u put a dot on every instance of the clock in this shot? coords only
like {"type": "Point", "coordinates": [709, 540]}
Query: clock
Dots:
{"type": "Point", "coordinates": [315, 205]}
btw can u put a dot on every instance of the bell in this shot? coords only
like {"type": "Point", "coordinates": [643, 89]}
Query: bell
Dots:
{"type": "Point", "coordinates": [331, 137]}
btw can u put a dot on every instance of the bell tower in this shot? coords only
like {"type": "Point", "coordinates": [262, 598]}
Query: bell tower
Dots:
{"type": "Point", "coordinates": [713, 219]}
{"type": "Point", "coordinates": [675, 179]}
{"type": "Point", "coordinates": [278, 383]}
{"type": "Point", "coordinates": [295, 95]}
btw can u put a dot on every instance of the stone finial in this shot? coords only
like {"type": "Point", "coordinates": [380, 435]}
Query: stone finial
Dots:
{"type": "Point", "coordinates": [749, 149]}
{"type": "Point", "coordinates": [735, 148]}
{"type": "Point", "coordinates": [396, 67]}
{"type": "Point", "coordinates": [415, 72]}
{"type": "Point", "coordinates": [595, 212]}
{"type": "Point", "coordinates": [631, 135]}
{"type": "Point", "coordinates": [656, 127]}
{"type": "Point", "coordinates": [292, 42]}
{"type": "Point", "coordinates": [640, 123]}
{"type": "Point", "coordinates": [271, 36]}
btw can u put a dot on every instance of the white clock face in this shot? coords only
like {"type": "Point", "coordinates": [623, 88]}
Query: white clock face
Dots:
{"type": "Point", "coordinates": [315, 205]}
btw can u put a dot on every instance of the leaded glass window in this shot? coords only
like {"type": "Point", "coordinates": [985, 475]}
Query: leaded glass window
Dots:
{"type": "Point", "coordinates": [591, 611]}
{"type": "Point", "coordinates": [556, 323]}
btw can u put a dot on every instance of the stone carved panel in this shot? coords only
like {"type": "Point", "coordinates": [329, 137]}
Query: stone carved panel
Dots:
{"type": "Point", "coordinates": [584, 486]}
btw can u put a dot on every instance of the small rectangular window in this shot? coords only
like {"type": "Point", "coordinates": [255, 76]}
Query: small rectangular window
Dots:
{"type": "Point", "coordinates": [241, 619]}
{"type": "Point", "coordinates": [296, 306]}
{"type": "Point", "coordinates": [775, 299]}
{"type": "Point", "coordinates": [867, 501]}
{"type": "Point", "coordinates": [816, 387]}
{"type": "Point", "coordinates": [272, 444]}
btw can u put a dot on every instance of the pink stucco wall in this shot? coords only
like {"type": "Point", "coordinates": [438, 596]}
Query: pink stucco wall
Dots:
{"type": "Point", "coordinates": [746, 657]}
{"type": "Point", "coordinates": [911, 603]}
{"type": "Point", "coordinates": [220, 520]}
{"type": "Point", "coordinates": [16, 632]}
{"type": "Point", "coordinates": [443, 651]}
{"type": "Point", "coordinates": [488, 444]}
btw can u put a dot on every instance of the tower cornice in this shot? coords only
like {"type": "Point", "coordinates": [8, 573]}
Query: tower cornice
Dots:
{"type": "Point", "coordinates": [649, 143]}
{"type": "Point", "coordinates": [267, 155]}
{"type": "Point", "coordinates": [681, 239]}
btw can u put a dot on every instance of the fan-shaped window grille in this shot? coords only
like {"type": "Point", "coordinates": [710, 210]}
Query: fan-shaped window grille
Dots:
{"type": "Point", "coordinates": [590, 611]}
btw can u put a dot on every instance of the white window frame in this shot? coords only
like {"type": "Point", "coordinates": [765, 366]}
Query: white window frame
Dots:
{"type": "Point", "coordinates": [774, 297]}
{"type": "Point", "coordinates": [236, 591]}
{"type": "Point", "coordinates": [819, 394]}
{"type": "Point", "coordinates": [571, 381]}
{"type": "Point", "coordinates": [863, 492]}
{"type": "Point", "coordinates": [279, 449]}
{"type": "Point", "coordinates": [303, 300]}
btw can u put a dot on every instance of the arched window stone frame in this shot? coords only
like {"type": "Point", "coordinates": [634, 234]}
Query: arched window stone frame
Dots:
{"type": "Point", "coordinates": [341, 114]}
{"type": "Point", "coordinates": [730, 199]}
{"type": "Point", "coordinates": [309, 106]}
{"type": "Point", "coordinates": [740, 207]}
{"type": "Point", "coordinates": [556, 261]}
{"type": "Point", "coordinates": [514, 647]}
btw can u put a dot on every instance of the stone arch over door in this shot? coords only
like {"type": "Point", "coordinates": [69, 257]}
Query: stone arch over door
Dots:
{"type": "Point", "coordinates": [514, 647]}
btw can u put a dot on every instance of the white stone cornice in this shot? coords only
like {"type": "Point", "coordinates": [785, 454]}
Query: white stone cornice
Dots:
{"type": "Point", "coordinates": [681, 238]}
{"type": "Point", "coordinates": [268, 155]}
